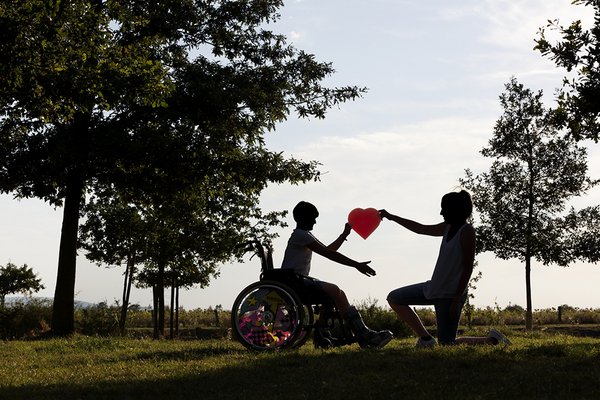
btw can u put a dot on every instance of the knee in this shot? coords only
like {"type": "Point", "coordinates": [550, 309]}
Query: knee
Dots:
{"type": "Point", "coordinates": [332, 290]}
{"type": "Point", "coordinates": [392, 304]}
{"type": "Point", "coordinates": [390, 300]}
{"type": "Point", "coordinates": [399, 308]}
{"type": "Point", "coordinates": [338, 292]}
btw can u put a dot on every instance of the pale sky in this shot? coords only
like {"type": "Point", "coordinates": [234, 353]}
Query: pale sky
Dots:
{"type": "Point", "coordinates": [434, 71]}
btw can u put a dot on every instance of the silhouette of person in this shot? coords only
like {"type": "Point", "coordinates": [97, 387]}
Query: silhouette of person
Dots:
{"type": "Point", "coordinates": [447, 288]}
{"type": "Point", "coordinates": [298, 257]}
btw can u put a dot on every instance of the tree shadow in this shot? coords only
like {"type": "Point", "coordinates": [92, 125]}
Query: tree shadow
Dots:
{"type": "Point", "coordinates": [546, 371]}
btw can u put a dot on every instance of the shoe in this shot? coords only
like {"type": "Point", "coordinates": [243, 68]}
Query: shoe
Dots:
{"type": "Point", "coordinates": [375, 339]}
{"type": "Point", "coordinates": [366, 337]}
{"type": "Point", "coordinates": [422, 343]}
{"type": "Point", "coordinates": [499, 337]}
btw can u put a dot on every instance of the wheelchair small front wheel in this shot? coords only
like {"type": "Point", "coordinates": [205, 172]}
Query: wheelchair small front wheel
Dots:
{"type": "Point", "coordinates": [268, 315]}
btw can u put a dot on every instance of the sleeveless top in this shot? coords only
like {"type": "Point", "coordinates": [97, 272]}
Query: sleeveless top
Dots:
{"type": "Point", "coordinates": [297, 255]}
{"type": "Point", "coordinates": [448, 268]}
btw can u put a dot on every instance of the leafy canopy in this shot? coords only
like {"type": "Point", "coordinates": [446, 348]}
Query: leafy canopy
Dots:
{"type": "Point", "coordinates": [578, 52]}
{"type": "Point", "coordinates": [148, 102]}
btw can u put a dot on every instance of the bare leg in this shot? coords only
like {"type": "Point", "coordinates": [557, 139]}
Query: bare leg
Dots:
{"type": "Point", "coordinates": [407, 314]}
{"type": "Point", "coordinates": [338, 296]}
{"type": "Point", "coordinates": [494, 337]}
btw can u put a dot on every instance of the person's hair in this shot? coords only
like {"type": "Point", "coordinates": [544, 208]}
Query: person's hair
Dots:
{"type": "Point", "coordinates": [458, 204]}
{"type": "Point", "coordinates": [304, 210]}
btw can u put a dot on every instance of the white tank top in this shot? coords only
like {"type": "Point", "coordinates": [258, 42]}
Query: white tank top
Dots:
{"type": "Point", "coordinates": [448, 268]}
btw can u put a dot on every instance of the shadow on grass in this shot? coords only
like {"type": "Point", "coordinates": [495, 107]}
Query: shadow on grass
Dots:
{"type": "Point", "coordinates": [187, 354]}
{"type": "Point", "coordinates": [540, 372]}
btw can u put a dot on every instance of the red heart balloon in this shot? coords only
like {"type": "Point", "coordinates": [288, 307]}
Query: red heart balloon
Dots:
{"type": "Point", "coordinates": [364, 221]}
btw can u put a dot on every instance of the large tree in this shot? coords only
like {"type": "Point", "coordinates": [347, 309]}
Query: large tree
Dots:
{"type": "Point", "coordinates": [522, 200]}
{"type": "Point", "coordinates": [150, 97]}
{"type": "Point", "coordinates": [578, 52]}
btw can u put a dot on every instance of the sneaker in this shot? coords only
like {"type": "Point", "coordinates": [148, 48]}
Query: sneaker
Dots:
{"type": "Point", "coordinates": [375, 339]}
{"type": "Point", "coordinates": [499, 337]}
{"type": "Point", "coordinates": [422, 343]}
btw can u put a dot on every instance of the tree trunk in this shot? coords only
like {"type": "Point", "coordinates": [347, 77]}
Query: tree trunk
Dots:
{"type": "Point", "coordinates": [177, 311]}
{"type": "Point", "coordinates": [529, 313]}
{"type": "Point", "coordinates": [129, 270]}
{"type": "Point", "coordinates": [155, 311]}
{"type": "Point", "coordinates": [161, 300]}
{"type": "Point", "coordinates": [158, 291]}
{"type": "Point", "coordinates": [63, 308]}
{"type": "Point", "coordinates": [172, 311]}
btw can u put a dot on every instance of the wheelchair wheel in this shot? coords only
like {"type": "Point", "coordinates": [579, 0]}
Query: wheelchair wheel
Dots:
{"type": "Point", "coordinates": [306, 326]}
{"type": "Point", "coordinates": [268, 315]}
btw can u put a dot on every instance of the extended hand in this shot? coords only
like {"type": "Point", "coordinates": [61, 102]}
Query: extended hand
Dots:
{"type": "Point", "coordinates": [347, 229]}
{"type": "Point", "coordinates": [384, 214]}
{"type": "Point", "coordinates": [364, 268]}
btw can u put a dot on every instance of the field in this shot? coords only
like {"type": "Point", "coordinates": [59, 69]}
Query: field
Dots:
{"type": "Point", "coordinates": [549, 364]}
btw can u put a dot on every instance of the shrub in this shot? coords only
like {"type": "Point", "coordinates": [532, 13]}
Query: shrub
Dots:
{"type": "Point", "coordinates": [30, 318]}
{"type": "Point", "coordinates": [100, 320]}
{"type": "Point", "coordinates": [25, 319]}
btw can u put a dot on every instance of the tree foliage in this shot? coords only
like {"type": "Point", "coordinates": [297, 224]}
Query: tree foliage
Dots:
{"type": "Point", "coordinates": [149, 99]}
{"type": "Point", "coordinates": [578, 51]}
{"type": "Point", "coordinates": [522, 199]}
{"type": "Point", "coordinates": [14, 279]}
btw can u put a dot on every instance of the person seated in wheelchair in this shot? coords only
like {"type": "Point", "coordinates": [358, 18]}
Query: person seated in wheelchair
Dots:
{"type": "Point", "coordinates": [298, 256]}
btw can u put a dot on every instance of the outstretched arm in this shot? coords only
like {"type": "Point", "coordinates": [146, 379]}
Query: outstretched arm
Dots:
{"type": "Point", "coordinates": [333, 255]}
{"type": "Point", "coordinates": [431, 230]}
{"type": "Point", "coordinates": [340, 240]}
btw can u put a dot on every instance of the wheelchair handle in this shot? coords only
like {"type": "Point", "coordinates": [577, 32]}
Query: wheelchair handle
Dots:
{"type": "Point", "coordinates": [263, 251]}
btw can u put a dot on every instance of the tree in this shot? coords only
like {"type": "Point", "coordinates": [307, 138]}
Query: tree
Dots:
{"type": "Point", "coordinates": [173, 243]}
{"type": "Point", "coordinates": [114, 233]}
{"type": "Point", "coordinates": [148, 97]}
{"type": "Point", "coordinates": [579, 53]}
{"type": "Point", "coordinates": [522, 199]}
{"type": "Point", "coordinates": [15, 279]}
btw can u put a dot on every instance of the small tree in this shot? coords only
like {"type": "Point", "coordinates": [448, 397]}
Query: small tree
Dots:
{"type": "Point", "coordinates": [114, 234]}
{"type": "Point", "coordinates": [15, 279]}
{"type": "Point", "coordinates": [522, 199]}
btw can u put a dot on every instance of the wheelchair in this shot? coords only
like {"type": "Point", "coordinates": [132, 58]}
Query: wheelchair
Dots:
{"type": "Point", "coordinates": [282, 309]}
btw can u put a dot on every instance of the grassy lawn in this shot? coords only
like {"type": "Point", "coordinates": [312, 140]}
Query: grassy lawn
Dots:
{"type": "Point", "coordinates": [539, 365]}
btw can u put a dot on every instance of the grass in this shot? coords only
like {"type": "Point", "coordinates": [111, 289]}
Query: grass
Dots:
{"type": "Point", "coordinates": [539, 365]}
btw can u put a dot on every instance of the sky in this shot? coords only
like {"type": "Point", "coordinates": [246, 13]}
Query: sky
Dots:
{"type": "Point", "coordinates": [434, 71]}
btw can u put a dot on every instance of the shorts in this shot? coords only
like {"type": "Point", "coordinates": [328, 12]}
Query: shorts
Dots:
{"type": "Point", "coordinates": [413, 295]}
{"type": "Point", "coordinates": [313, 291]}
{"type": "Point", "coordinates": [309, 289]}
